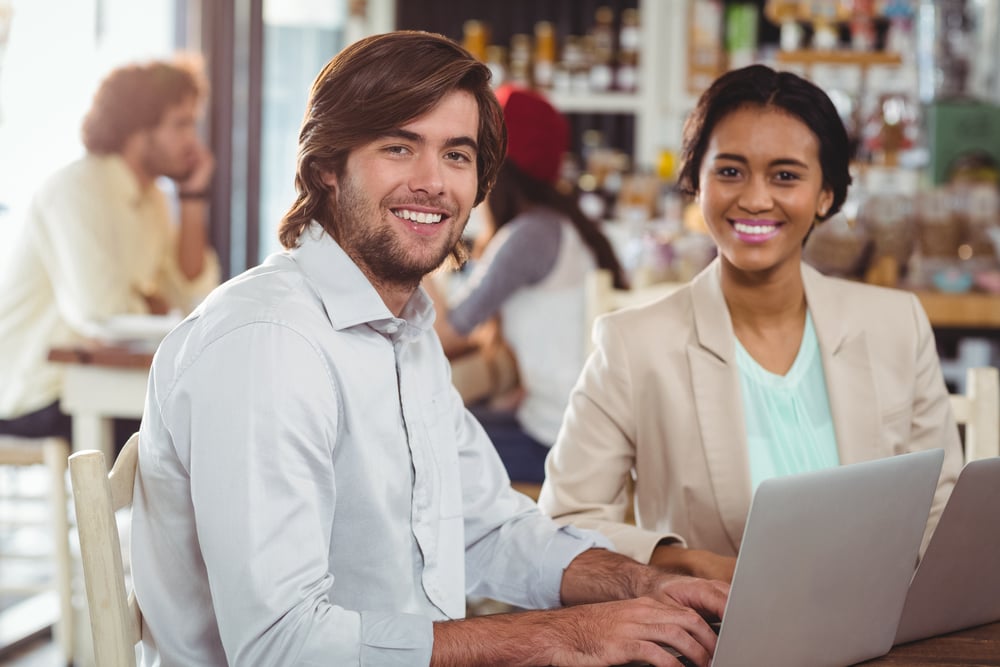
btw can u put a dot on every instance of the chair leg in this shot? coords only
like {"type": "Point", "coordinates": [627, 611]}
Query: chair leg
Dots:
{"type": "Point", "coordinates": [56, 452]}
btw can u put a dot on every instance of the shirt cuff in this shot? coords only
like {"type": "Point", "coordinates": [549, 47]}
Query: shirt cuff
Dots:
{"type": "Point", "coordinates": [390, 639]}
{"type": "Point", "coordinates": [565, 545]}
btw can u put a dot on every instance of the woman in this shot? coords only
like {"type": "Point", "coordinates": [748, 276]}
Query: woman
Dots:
{"type": "Point", "coordinates": [760, 366]}
{"type": "Point", "coordinates": [536, 254]}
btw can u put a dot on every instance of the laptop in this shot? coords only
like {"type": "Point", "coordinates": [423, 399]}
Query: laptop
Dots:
{"type": "Point", "coordinates": [825, 563]}
{"type": "Point", "coordinates": [957, 584]}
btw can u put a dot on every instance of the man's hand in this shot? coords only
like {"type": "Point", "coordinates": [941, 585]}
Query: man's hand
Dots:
{"type": "Point", "coordinates": [695, 562]}
{"type": "Point", "coordinates": [586, 635]}
{"type": "Point", "coordinates": [198, 179]}
{"type": "Point", "coordinates": [156, 304]}
{"type": "Point", "coordinates": [598, 575]}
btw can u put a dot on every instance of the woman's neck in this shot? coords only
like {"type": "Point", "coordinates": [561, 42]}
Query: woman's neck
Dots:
{"type": "Point", "coordinates": [768, 313]}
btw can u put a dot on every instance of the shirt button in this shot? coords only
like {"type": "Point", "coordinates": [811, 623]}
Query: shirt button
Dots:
{"type": "Point", "coordinates": [392, 328]}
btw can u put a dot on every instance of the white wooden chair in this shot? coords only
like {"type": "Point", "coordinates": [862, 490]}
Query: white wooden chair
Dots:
{"type": "Point", "coordinates": [979, 410]}
{"type": "Point", "coordinates": [52, 453]}
{"type": "Point", "coordinates": [602, 297]}
{"type": "Point", "coordinates": [115, 619]}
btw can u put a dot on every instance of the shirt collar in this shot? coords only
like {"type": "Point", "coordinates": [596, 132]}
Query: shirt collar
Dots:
{"type": "Point", "coordinates": [348, 296]}
{"type": "Point", "coordinates": [122, 178]}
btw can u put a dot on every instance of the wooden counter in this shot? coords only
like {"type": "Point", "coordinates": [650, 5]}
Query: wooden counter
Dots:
{"type": "Point", "coordinates": [963, 311]}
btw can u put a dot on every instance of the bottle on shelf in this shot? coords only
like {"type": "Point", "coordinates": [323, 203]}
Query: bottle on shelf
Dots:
{"type": "Point", "coordinates": [475, 38]}
{"type": "Point", "coordinates": [581, 82]}
{"type": "Point", "coordinates": [602, 65]}
{"type": "Point", "coordinates": [496, 60]}
{"type": "Point", "coordinates": [862, 25]}
{"type": "Point", "coordinates": [520, 60]}
{"type": "Point", "coordinates": [545, 55]}
{"type": "Point", "coordinates": [627, 75]}
{"type": "Point", "coordinates": [569, 64]}
{"type": "Point", "coordinates": [784, 14]}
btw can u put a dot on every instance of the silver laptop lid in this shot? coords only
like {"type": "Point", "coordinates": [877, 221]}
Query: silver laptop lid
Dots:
{"type": "Point", "coordinates": [957, 584]}
{"type": "Point", "coordinates": [825, 563]}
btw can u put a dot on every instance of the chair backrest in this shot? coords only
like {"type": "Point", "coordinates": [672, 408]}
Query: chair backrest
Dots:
{"type": "Point", "coordinates": [602, 297]}
{"type": "Point", "coordinates": [979, 410]}
{"type": "Point", "coordinates": [115, 620]}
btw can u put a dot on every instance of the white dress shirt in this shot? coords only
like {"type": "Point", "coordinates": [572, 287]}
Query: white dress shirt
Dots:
{"type": "Point", "coordinates": [92, 245]}
{"type": "Point", "coordinates": [311, 490]}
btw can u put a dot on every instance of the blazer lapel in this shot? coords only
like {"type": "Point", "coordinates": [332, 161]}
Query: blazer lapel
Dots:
{"type": "Point", "coordinates": [847, 364]}
{"type": "Point", "coordinates": [718, 402]}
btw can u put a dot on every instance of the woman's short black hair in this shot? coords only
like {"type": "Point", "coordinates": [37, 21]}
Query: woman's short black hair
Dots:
{"type": "Point", "coordinates": [761, 86]}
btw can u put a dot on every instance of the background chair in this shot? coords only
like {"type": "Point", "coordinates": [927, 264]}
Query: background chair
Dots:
{"type": "Point", "coordinates": [115, 619]}
{"type": "Point", "coordinates": [19, 620]}
{"type": "Point", "coordinates": [978, 409]}
{"type": "Point", "coordinates": [602, 297]}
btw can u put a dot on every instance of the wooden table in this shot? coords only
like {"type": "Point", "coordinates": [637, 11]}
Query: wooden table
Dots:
{"type": "Point", "coordinates": [102, 382]}
{"type": "Point", "coordinates": [975, 646]}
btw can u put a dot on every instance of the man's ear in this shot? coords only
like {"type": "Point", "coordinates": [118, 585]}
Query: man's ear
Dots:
{"type": "Point", "coordinates": [329, 178]}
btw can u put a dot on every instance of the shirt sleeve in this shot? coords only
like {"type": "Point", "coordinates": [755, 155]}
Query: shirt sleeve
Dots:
{"type": "Point", "coordinates": [933, 420]}
{"type": "Point", "coordinates": [587, 470]}
{"type": "Point", "coordinates": [263, 493]}
{"type": "Point", "coordinates": [514, 553]}
{"type": "Point", "coordinates": [179, 290]}
{"type": "Point", "coordinates": [521, 253]}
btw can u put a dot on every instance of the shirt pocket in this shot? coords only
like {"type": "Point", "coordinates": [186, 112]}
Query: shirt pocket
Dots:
{"type": "Point", "coordinates": [440, 424]}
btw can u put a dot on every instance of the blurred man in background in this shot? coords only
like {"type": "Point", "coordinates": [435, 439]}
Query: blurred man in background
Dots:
{"type": "Point", "coordinates": [99, 239]}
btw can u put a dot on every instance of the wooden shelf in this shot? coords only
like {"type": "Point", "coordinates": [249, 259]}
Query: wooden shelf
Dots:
{"type": "Point", "coordinates": [610, 102]}
{"type": "Point", "coordinates": [964, 311]}
{"type": "Point", "coordinates": [839, 57]}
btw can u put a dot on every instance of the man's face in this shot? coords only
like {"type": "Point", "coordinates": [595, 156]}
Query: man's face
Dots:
{"type": "Point", "coordinates": [404, 198]}
{"type": "Point", "coordinates": [172, 148]}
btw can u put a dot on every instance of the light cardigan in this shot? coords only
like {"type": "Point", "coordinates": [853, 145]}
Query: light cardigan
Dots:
{"type": "Point", "coordinates": [660, 398]}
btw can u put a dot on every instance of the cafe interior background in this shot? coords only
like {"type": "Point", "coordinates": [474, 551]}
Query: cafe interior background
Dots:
{"type": "Point", "coordinates": [917, 84]}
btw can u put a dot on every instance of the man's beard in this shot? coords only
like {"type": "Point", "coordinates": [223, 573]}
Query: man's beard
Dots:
{"type": "Point", "coordinates": [156, 163]}
{"type": "Point", "coordinates": [375, 248]}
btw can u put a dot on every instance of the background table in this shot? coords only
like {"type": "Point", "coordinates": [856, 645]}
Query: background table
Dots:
{"type": "Point", "coordinates": [102, 382]}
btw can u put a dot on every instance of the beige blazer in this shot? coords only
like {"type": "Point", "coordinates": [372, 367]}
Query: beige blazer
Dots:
{"type": "Point", "coordinates": [659, 399]}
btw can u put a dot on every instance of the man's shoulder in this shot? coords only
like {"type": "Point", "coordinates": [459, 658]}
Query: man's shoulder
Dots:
{"type": "Point", "coordinates": [82, 175]}
{"type": "Point", "coordinates": [275, 292]}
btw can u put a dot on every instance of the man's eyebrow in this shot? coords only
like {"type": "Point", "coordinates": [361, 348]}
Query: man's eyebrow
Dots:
{"type": "Point", "coordinates": [413, 137]}
{"type": "Point", "coordinates": [468, 142]}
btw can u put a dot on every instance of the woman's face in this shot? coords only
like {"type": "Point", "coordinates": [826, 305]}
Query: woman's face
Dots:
{"type": "Point", "coordinates": [761, 188]}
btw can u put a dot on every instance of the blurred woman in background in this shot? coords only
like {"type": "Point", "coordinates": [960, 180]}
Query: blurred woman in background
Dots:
{"type": "Point", "coordinates": [536, 250]}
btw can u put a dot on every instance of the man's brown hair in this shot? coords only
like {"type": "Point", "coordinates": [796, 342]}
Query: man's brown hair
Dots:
{"type": "Point", "coordinates": [376, 85]}
{"type": "Point", "coordinates": [135, 97]}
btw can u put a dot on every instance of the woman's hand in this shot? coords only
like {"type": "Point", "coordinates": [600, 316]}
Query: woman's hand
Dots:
{"type": "Point", "coordinates": [693, 562]}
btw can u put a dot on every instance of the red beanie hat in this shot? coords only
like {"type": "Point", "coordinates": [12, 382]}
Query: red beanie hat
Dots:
{"type": "Point", "coordinates": [537, 134]}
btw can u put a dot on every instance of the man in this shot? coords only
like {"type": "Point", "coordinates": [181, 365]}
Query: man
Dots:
{"type": "Point", "coordinates": [98, 240]}
{"type": "Point", "coordinates": [310, 488]}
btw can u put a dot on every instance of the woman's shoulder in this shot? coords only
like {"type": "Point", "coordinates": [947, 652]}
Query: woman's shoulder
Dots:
{"type": "Point", "coordinates": [664, 305]}
{"type": "Point", "coordinates": [854, 294]}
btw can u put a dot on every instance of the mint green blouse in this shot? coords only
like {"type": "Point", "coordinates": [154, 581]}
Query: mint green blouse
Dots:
{"type": "Point", "coordinates": [788, 422]}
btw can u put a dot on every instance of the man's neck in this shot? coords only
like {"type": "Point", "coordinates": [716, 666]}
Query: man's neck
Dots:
{"type": "Point", "coordinates": [394, 295]}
